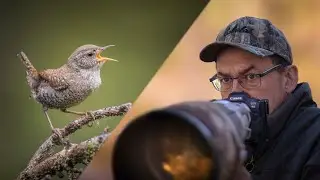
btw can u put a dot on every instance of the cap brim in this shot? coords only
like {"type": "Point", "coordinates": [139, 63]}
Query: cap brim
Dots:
{"type": "Point", "coordinates": [211, 51]}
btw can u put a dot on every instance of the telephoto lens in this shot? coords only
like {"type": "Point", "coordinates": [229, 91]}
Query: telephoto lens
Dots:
{"type": "Point", "coordinates": [186, 141]}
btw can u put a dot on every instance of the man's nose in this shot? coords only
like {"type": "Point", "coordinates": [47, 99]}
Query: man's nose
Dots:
{"type": "Point", "coordinates": [236, 87]}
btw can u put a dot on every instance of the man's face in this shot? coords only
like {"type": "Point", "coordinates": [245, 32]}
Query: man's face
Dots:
{"type": "Point", "coordinates": [234, 62]}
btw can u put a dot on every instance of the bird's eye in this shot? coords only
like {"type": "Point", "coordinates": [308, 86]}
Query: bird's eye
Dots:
{"type": "Point", "coordinates": [90, 54]}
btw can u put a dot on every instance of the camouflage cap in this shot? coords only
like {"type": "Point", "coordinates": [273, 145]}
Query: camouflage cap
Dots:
{"type": "Point", "coordinates": [255, 35]}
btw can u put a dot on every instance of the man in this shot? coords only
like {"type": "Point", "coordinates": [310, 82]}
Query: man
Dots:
{"type": "Point", "coordinates": [253, 56]}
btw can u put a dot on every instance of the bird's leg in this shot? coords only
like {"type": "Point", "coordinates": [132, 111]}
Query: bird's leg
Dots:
{"type": "Point", "coordinates": [45, 110]}
{"type": "Point", "coordinates": [54, 130]}
{"type": "Point", "coordinates": [88, 113]}
{"type": "Point", "coordinates": [78, 113]}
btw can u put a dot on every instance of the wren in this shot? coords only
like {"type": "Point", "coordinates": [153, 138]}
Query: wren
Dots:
{"type": "Point", "coordinates": [69, 84]}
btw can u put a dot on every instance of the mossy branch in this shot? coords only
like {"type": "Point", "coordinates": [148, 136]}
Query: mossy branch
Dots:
{"type": "Point", "coordinates": [45, 163]}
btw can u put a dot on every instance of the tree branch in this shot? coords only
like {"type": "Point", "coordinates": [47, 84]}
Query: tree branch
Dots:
{"type": "Point", "coordinates": [66, 159]}
{"type": "Point", "coordinates": [45, 163]}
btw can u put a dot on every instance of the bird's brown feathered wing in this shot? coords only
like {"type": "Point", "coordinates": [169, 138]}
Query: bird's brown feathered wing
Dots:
{"type": "Point", "coordinates": [55, 79]}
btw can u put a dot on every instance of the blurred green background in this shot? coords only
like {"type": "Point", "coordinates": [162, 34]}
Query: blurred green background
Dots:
{"type": "Point", "coordinates": [144, 32]}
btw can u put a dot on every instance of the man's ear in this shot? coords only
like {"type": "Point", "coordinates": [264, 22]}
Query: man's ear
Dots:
{"type": "Point", "coordinates": [291, 76]}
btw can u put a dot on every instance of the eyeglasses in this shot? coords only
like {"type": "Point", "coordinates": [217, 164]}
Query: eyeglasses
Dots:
{"type": "Point", "coordinates": [247, 81]}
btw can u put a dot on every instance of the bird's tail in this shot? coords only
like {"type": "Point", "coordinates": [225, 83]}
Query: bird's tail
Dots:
{"type": "Point", "coordinates": [32, 74]}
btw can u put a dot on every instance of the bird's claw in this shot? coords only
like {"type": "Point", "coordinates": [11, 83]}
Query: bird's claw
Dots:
{"type": "Point", "coordinates": [66, 143]}
{"type": "Point", "coordinates": [90, 124]}
{"type": "Point", "coordinates": [58, 133]}
{"type": "Point", "coordinates": [89, 113]}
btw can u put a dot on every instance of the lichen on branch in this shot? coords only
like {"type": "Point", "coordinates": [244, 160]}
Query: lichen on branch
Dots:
{"type": "Point", "coordinates": [45, 163]}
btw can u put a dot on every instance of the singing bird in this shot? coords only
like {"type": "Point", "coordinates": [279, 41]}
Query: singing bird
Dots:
{"type": "Point", "coordinates": [68, 85]}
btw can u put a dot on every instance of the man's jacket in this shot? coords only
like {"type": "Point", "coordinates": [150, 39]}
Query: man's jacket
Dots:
{"type": "Point", "coordinates": [292, 149]}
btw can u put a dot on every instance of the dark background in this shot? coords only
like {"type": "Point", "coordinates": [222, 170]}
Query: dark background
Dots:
{"type": "Point", "coordinates": [144, 32]}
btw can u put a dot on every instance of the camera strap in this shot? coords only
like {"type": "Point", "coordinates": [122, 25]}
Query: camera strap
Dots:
{"type": "Point", "coordinates": [256, 147]}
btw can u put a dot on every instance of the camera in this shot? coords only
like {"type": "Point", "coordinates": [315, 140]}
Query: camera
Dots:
{"type": "Point", "coordinates": [259, 110]}
{"type": "Point", "coordinates": [190, 140]}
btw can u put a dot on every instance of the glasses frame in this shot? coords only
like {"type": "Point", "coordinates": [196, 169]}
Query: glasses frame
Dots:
{"type": "Point", "coordinates": [260, 75]}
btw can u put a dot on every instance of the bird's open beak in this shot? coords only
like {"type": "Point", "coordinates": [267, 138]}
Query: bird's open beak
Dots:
{"type": "Point", "coordinates": [103, 59]}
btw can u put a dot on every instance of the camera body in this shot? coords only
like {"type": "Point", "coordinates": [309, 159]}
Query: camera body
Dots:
{"type": "Point", "coordinates": [259, 108]}
{"type": "Point", "coordinates": [259, 111]}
